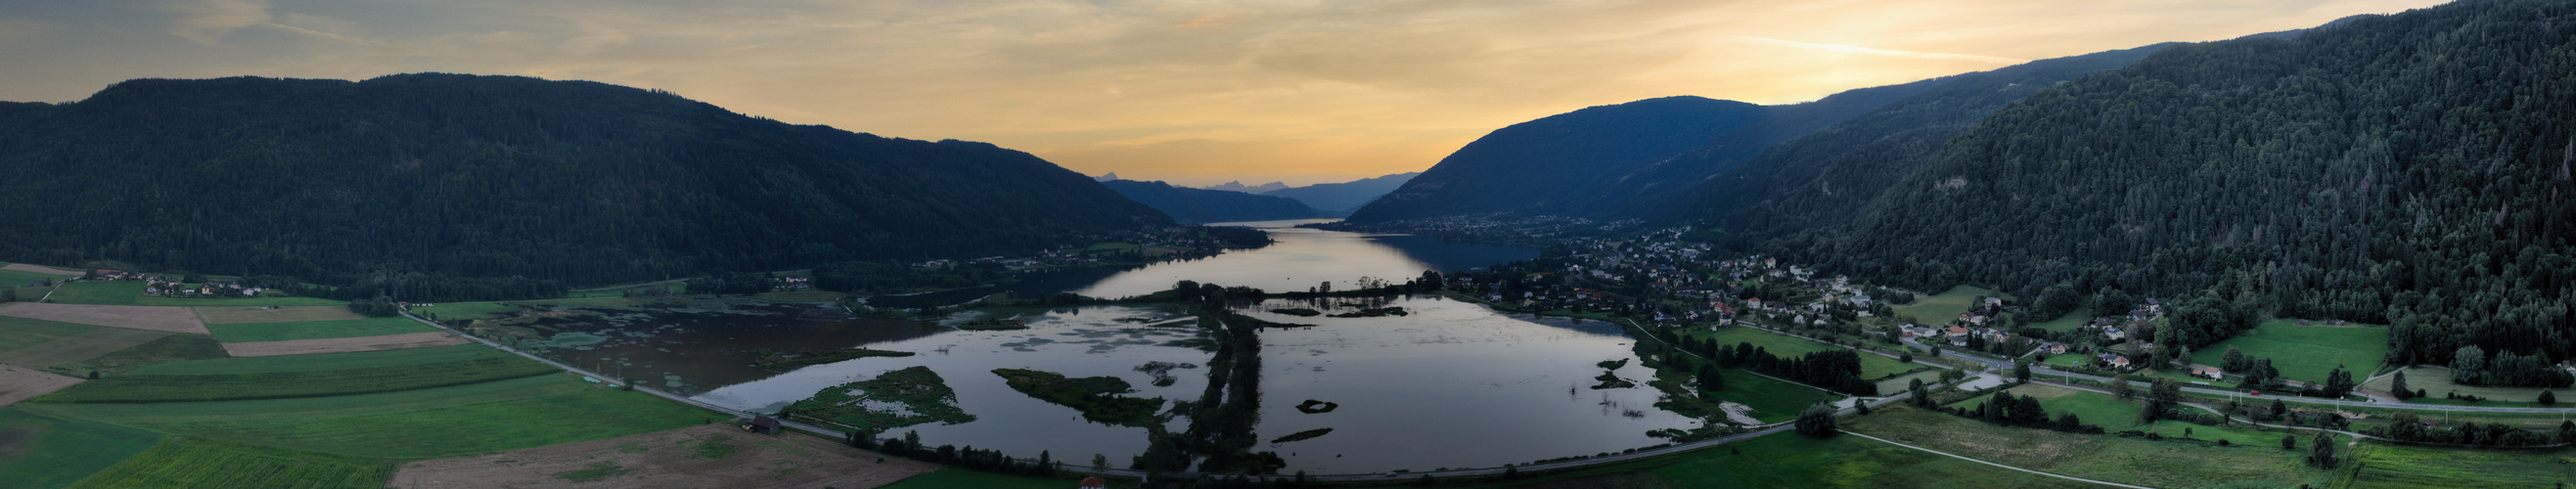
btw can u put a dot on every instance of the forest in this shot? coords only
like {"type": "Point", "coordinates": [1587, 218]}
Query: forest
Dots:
{"type": "Point", "coordinates": [485, 183]}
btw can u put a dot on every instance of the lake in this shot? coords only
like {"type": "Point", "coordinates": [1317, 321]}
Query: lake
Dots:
{"type": "Point", "coordinates": [1449, 384]}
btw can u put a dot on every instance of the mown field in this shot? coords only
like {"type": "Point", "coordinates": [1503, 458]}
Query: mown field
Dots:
{"type": "Point", "coordinates": [183, 463]}
{"type": "Point", "coordinates": [276, 377]}
{"type": "Point", "coordinates": [263, 301]}
{"type": "Point", "coordinates": [214, 315]}
{"type": "Point", "coordinates": [45, 452]}
{"type": "Point", "coordinates": [1872, 366]}
{"type": "Point", "coordinates": [96, 292]}
{"type": "Point", "coordinates": [2306, 353]}
{"type": "Point", "coordinates": [1772, 400]}
{"type": "Point", "coordinates": [423, 423]}
{"type": "Point", "coordinates": [954, 478]}
{"type": "Point", "coordinates": [2436, 383]}
{"type": "Point", "coordinates": [167, 349]}
{"type": "Point", "coordinates": [2093, 407]}
{"type": "Point", "coordinates": [307, 330]}
{"type": "Point", "coordinates": [17, 332]}
{"type": "Point", "coordinates": [2068, 322]}
{"type": "Point", "coordinates": [1784, 460]}
{"type": "Point", "coordinates": [86, 345]}
{"type": "Point", "coordinates": [2103, 457]}
{"type": "Point", "coordinates": [2393, 466]}
{"type": "Point", "coordinates": [1944, 307]}
{"type": "Point", "coordinates": [15, 278]}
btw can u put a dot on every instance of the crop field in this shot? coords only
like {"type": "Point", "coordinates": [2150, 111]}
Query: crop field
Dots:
{"type": "Point", "coordinates": [262, 301]}
{"type": "Point", "coordinates": [1944, 307]}
{"type": "Point", "coordinates": [2436, 382]}
{"type": "Point", "coordinates": [308, 330]}
{"type": "Point", "coordinates": [2305, 353]}
{"type": "Point", "coordinates": [170, 319]}
{"type": "Point", "coordinates": [415, 424]}
{"type": "Point", "coordinates": [2068, 322]}
{"type": "Point", "coordinates": [17, 332]}
{"type": "Point", "coordinates": [44, 452]}
{"type": "Point", "coordinates": [1772, 400]}
{"type": "Point", "coordinates": [329, 361]}
{"type": "Point", "coordinates": [190, 463]}
{"type": "Point", "coordinates": [214, 315]}
{"type": "Point", "coordinates": [295, 379]}
{"type": "Point", "coordinates": [41, 269]}
{"type": "Point", "coordinates": [2103, 457]}
{"type": "Point", "coordinates": [74, 348]}
{"type": "Point", "coordinates": [696, 456]}
{"type": "Point", "coordinates": [170, 348]}
{"type": "Point", "coordinates": [116, 293]}
{"type": "Point", "coordinates": [1779, 460]}
{"type": "Point", "coordinates": [2394, 466]}
{"type": "Point", "coordinates": [21, 383]}
{"type": "Point", "coordinates": [1872, 366]}
{"type": "Point", "coordinates": [950, 478]}
{"type": "Point", "coordinates": [401, 341]}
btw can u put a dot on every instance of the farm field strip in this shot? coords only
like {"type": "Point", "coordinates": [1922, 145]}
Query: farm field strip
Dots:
{"type": "Point", "coordinates": [290, 384]}
{"type": "Point", "coordinates": [46, 452]}
{"type": "Point", "coordinates": [237, 302]}
{"type": "Point", "coordinates": [169, 319]}
{"type": "Point", "coordinates": [21, 383]}
{"type": "Point", "coordinates": [413, 424]}
{"type": "Point", "coordinates": [2103, 457]}
{"type": "Point", "coordinates": [313, 330]}
{"type": "Point", "coordinates": [74, 348]}
{"type": "Point", "coordinates": [214, 315]}
{"type": "Point", "coordinates": [2396, 466]}
{"type": "Point", "coordinates": [18, 332]}
{"type": "Point", "coordinates": [696, 456]}
{"type": "Point", "coordinates": [168, 349]}
{"type": "Point", "coordinates": [342, 345]}
{"type": "Point", "coordinates": [328, 361]}
{"type": "Point", "coordinates": [42, 270]}
{"type": "Point", "coordinates": [94, 292]}
{"type": "Point", "coordinates": [191, 463]}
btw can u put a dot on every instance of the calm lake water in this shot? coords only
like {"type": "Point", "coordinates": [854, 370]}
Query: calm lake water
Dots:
{"type": "Point", "coordinates": [1449, 385]}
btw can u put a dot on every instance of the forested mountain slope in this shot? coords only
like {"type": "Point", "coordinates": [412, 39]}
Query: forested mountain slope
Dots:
{"type": "Point", "coordinates": [1193, 205]}
{"type": "Point", "coordinates": [1341, 198]}
{"type": "Point", "coordinates": [2412, 169]}
{"type": "Point", "coordinates": [1825, 178]}
{"type": "Point", "coordinates": [1666, 188]}
{"type": "Point", "coordinates": [475, 176]}
{"type": "Point", "coordinates": [1539, 165]}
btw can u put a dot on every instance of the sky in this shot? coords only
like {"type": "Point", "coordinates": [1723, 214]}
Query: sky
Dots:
{"type": "Point", "coordinates": [1194, 92]}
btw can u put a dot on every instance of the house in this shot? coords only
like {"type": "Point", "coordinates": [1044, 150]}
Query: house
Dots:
{"type": "Point", "coordinates": [1094, 483]}
{"type": "Point", "coordinates": [2115, 360]}
{"type": "Point", "coordinates": [762, 424]}
{"type": "Point", "coordinates": [1956, 331]}
{"type": "Point", "coordinates": [2054, 348]}
{"type": "Point", "coordinates": [2211, 372]}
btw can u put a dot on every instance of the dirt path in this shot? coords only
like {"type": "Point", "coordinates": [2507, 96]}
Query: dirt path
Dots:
{"type": "Point", "coordinates": [42, 269]}
{"type": "Point", "coordinates": [19, 384]}
{"type": "Point", "coordinates": [693, 457]}
{"type": "Point", "coordinates": [170, 319]}
{"type": "Point", "coordinates": [342, 345]}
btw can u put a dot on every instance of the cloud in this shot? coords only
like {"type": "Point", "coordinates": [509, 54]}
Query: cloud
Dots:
{"type": "Point", "coordinates": [208, 21]}
{"type": "Point", "coordinates": [1877, 52]}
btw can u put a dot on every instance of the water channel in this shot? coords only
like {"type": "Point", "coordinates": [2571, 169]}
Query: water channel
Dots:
{"type": "Point", "coordinates": [1450, 384]}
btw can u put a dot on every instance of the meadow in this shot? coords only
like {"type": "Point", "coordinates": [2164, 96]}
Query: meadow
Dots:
{"type": "Point", "coordinates": [1872, 366]}
{"type": "Point", "coordinates": [1772, 400]}
{"type": "Point", "coordinates": [414, 424]}
{"type": "Point", "coordinates": [2394, 466]}
{"type": "Point", "coordinates": [2306, 353]}
{"type": "Point", "coordinates": [954, 478]}
{"type": "Point", "coordinates": [2104, 457]}
{"type": "Point", "coordinates": [45, 452]}
{"type": "Point", "coordinates": [17, 332]}
{"type": "Point", "coordinates": [15, 278]}
{"type": "Point", "coordinates": [117, 293]}
{"type": "Point", "coordinates": [1781, 460]}
{"type": "Point", "coordinates": [307, 330]}
{"type": "Point", "coordinates": [167, 349]}
{"type": "Point", "coordinates": [2093, 407]}
{"type": "Point", "coordinates": [192, 463]}
{"type": "Point", "coordinates": [2073, 319]}
{"type": "Point", "coordinates": [262, 301]}
{"type": "Point", "coordinates": [78, 347]}
{"type": "Point", "coordinates": [1944, 307]}
{"type": "Point", "coordinates": [327, 374]}
{"type": "Point", "coordinates": [2436, 384]}
{"type": "Point", "coordinates": [214, 315]}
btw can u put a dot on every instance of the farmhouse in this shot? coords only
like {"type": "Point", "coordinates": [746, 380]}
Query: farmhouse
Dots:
{"type": "Point", "coordinates": [2115, 360]}
{"type": "Point", "coordinates": [762, 425]}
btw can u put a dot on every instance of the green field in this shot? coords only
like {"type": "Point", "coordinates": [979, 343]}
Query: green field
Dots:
{"type": "Point", "coordinates": [167, 349]}
{"type": "Point", "coordinates": [118, 293]}
{"type": "Point", "coordinates": [2104, 457]}
{"type": "Point", "coordinates": [2305, 353]}
{"type": "Point", "coordinates": [281, 301]}
{"type": "Point", "coordinates": [1786, 460]}
{"type": "Point", "coordinates": [213, 315]}
{"type": "Point", "coordinates": [425, 423]}
{"type": "Point", "coordinates": [328, 361]}
{"type": "Point", "coordinates": [954, 478]}
{"type": "Point", "coordinates": [316, 329]}
{"type": "Point", "coordinates": [1772, 400]}
{"type": "Point", "coordinates": [1872, 366]}
{"type": "Point", "coordinates": [2073, 319]}
{"type": "Point", "coordinates": [291, 376]}
{"type": "Point", "coordinates": [1943, 308]}
{"type": "Point", "coordinates": [465, 310]}
{"type": "Point", "coordinates": [2093, 407]}
{"type": "Point", "coordinates": [86, 345]}
{"type": "Point", "coordinates": [14, 278]}
{"type": "Point", "coordinates": [2393, 466]}
{"type": "Point", "coordinates": [2436, 383]}
{"type": "Point", "coordinates": [190, 463]}
{"type": "Point", "coordinates": [16, 332]}
{"type": "Point", "coordinates": [44, 452]}
{"type": "Point", "coordinates": [1894, 385]}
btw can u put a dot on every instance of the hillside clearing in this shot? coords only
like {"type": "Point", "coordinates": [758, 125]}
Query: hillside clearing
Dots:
{"type": "Point", "coordinates": [681, 458]}
{"type": "Point", "coordinates": [41, 269]}
{"type": "Point", "coordinates": [342, 345]}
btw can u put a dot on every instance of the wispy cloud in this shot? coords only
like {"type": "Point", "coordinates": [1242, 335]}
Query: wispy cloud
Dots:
{"type": "Point", "coordinates": [208, 21]}
{"type": "Point", "coordinates": [1838, 48]}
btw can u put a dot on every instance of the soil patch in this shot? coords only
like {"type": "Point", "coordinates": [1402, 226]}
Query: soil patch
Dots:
{"type": "Point", "coordinates": [221, 315]}
{"type": "Point", "coordinates": [19, 384]}
{"type": "Point", "coordinates": [41, 269]}
{"type": "Point", "coordinates": [693, 457]}
{"type": "Point", "coordinates": [342, 345]}
{"type": "Point", "coordinates": [170, 319]}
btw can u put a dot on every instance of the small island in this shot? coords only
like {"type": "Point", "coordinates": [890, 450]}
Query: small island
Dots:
{"type": "Point", "coordinates": [1096, 397]}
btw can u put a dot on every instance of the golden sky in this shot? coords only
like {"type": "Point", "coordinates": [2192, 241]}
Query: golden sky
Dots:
{"type": "Point", "coordinates": [1192, 92]}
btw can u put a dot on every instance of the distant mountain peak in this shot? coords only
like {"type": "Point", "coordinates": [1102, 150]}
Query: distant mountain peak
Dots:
{"type": "Point", "coordinates": [1237, 186]}
{"type": "Point", "coordinates": [1112, 176]}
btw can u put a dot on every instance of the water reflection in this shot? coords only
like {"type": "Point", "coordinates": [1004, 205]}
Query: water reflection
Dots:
{"type": "Point", "coordinates": [1304, 258]}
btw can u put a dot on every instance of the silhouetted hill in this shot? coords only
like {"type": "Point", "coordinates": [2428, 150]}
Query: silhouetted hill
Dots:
{"type": "Point", "coordinates": [1193, 206]}
{"type": "Point", "coordinates": [477, 176]}
{"type": "Point", "coordinates": [1530, 166]}
{"type": "Point", "coordinates": [1338, 199]}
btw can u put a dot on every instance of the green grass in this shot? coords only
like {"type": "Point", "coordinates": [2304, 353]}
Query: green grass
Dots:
{"type": "Point", "coordinates": [117, 293]}
{"type": "Point", "coordinates": [1786, 460]}
{"type": "Point", "coordinates": [1944, 307]}
{"type": "Point", "coordinates": [316, 329]}
{"type": "Point", "coordinates": [955, 478]}
{"type": "Point", "coordinates": [2073, 319]}
{"type": "Point", "coordinates": [2093, 407]}
{"type": "Point", "coordinates": [425, 423]}
{"type": "Point", "coordinates": [2436, 382]}
{"type": "Point", "coordinates": [16, 332]}
{"type": "Point", "coordinates": [292, 376]}
{"type": "Point", "coordinates": [1872, 366]}
{"type": "Point", "coordinates": [214, 315]}
{"type": "Point", "coordinates": [1772, 400]}
{"type": "Point", "coordinates": [168, 349]}
{"type": "Point", "coordinates": [191, 463]}
{"type": "Point", "coordinates": [2103, 457]}
{"type": "Point", "coordinates": [448, 311]}
{"type": "Point", "coordinates": [75, 348]}
{"type": "Point", "coordinates": [236, 301]}
{"type": "Point", "coordinates": [328, 361]}
{"type": "Point", "coordinates": [2392, 466]}
{"type": "Point", "coordinates": [2305, 353]}
{"type": "Point", "coordinates": [14, 278]}
{"type": "Point", "coordinates": [1896, 385]}
{"type": "Point", "coordinates": [51, 452]}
